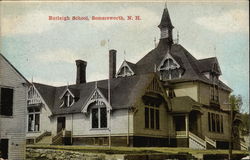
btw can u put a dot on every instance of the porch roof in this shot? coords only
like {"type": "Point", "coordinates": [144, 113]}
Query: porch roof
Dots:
{"type": "Point", "coordinates": [184, 104]}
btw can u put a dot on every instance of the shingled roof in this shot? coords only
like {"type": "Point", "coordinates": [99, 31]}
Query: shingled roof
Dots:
{"type": "Point", "coordinates": [165, 20]}
{"type": "Point", "coordinates": [193, 68]}
{"type": "Point", "coordinates": [124, 93]}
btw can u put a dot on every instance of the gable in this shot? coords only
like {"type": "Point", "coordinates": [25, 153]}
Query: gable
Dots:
{"type": "Point", "coordinates": [156, 93]}
{"type": "Point", "coordinates": [67, 91]}
{"type": "Point", "coordinates": [98, 98]}
{"type": "Point", "coordinates": [33, 96]}
{"type": "Point", "coordinates": [9, 73]}
{"type": "Point", "coordinates": [168, 63]}
{"type": "Point", "coordinates": [125, 70]}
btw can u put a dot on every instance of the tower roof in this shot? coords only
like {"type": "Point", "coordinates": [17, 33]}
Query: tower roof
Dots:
{"type": "Point", "coordinates": [165, 20]}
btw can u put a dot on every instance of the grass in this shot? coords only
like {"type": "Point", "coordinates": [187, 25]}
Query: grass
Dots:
{"type": "Point", "coordinates": [134, 150]}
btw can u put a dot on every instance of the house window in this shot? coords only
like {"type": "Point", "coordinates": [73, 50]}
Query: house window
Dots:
{"type": "Point", "coordinates": [146, 116]}
{"type": "Point", "coordinates": [152, 117]}
{"type": "Point", "coordinates": [209, 121]}
{"type": "Point", "coordinates": [215, 122]}
{"type": "Point", "coordinates": [99, 118]}
{"type": "Point", "coordinates": [125, 71]}
{"type": "Point", "coordinates": [33, 119]}
{"type": "Point", "coordinates": [68, 100]}
{"type": "Point", "coordinates": [6, 102]}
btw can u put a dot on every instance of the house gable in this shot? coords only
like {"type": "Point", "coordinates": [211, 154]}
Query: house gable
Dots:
{"type": "Point", "coordinates": [98, 98]}
{"type": "Point", "coordinates": [125, 70]}
{"type": "Point", "coordinates": [155, 90]}
{"type": "Point", "coordinates": [34, 97]}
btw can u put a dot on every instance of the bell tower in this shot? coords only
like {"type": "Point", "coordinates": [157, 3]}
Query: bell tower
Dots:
{"type": "Point", "coordinates": [166, 28]}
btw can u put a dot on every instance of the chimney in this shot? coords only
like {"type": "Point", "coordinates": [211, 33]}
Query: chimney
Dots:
{"type": "Point", "coordinates": [112, 63]}
{"type": "Point", "coordinates": [81, 71]}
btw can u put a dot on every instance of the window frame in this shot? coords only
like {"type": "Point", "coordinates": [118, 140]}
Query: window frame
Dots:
{"type": "Point", "coordinates": [8, 115]}
{"type": "Point", "coordinates": [34, 113]}
{"type": "Point", "coordinates": [152, 112]}
{"type": "Point", "coordinates": [99, 118]}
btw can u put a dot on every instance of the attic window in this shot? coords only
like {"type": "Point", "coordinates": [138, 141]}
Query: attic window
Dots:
{"type": "Point", "coordinates": [124, 70]}
{"type": "Point", "coordinates": [67, 98]}
{"type": "Point", "coordinates": [169, 68]}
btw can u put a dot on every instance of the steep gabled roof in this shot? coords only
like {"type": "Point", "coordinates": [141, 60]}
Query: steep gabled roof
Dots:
{"type": "Point", "coordinates": [165, 20]}
{"type": "Point", "coordinates": [207, 64]}
{"type": "Point", "coordinates": [5, 59]}
{"type": "Point", "coordinates": [47, 92]}
{"type": "Point", "coordinates": [132, 66]}
{"type": "Point", "coordinates": [124, 93]}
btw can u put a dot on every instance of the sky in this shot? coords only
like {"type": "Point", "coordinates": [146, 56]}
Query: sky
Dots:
{"type": "Point", "coordinates": [45, 50]}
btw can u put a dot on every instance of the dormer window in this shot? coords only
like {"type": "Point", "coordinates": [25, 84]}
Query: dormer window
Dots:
{"type": "Point", "coordinates": [68, 99]}
{"type": "Point", "coordinates": [169, 68]}
{"type": "Point", "coordinates": [125, 70]}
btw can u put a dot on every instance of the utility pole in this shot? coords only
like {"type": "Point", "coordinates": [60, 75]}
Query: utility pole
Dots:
{"type": "Point", "coordinates": [230, 131]}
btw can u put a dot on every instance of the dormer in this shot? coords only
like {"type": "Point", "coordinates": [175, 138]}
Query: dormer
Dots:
{"type": "Point", "coordinates": [68, 98]}
{"type": "Point", "coordinates": [125, 69]}
{"type": "Point", "coordinates": [169, 68]}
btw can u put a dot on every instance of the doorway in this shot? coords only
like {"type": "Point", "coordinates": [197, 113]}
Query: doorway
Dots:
{"type": "Point", "coordinates": [61, 123]}
{"type": "Point", "coordinates": [4, 148]}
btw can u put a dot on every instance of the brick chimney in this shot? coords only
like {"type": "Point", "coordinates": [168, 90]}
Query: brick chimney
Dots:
{"type": "Point", "coordinates": [112, 63]}
{"type": "Point", "coordinates": [81, 71]}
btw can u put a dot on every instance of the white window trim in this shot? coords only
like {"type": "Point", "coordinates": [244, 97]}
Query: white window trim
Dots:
{"type": "Point", "coordinates": [34, 115]}
{"type": "Point", "coordinates": [124, 64]}
{"type": "Point", "coordinates": [69, 95]}
{"type": "Point", "coordinates": [102, 99]}
{"type": "Point", "coordinates": [67, 90]}
{"type": "Point", "coordinates": [99, 118]}
{"type": "Point", "coordinates": [168, 56]}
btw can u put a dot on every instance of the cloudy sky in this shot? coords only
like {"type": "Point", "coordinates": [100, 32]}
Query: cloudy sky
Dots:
{"type": "Point", "coordinates": [47, 50]}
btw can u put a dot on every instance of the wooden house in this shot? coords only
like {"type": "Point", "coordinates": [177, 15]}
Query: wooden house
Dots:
{"type": "Point", "coordinates": [13, 107]}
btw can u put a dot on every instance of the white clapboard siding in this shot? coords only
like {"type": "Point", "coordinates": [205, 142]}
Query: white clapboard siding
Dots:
{"type": "Point", "coordinates": [13, 128]}
{"type": "Point", "coordinates": [82, 124]}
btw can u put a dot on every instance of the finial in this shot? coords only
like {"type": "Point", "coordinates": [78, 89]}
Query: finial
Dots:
{"type": "Point", "coordinates": [155, 41]}
{"type": "Point", "coordinates": [154, 67]}
{"type": "Point", "coordinates": [32, 79]}
{"type": "Point", "coordinates": [67, 84]}
{"type": "Point", "coordinates": [124, 55]}
{"type": "Point", "coordinates": [177, 37]}
{"type": "Point", "coordinates": [95, 84]}
{"type": "Point", "coordinates": [165, 6]}
{"type": "Point", "coordinates": [215, 50]}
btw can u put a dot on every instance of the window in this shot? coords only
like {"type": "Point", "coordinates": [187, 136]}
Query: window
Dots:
{"type": "Point", "coordinates": [221, 124]}
{"type": "Point", "coordinates": [146, 116]}
{"type": "Point", "coordinates": [152, 117]}
{"type": "Point", "coordinates": [6, 102]}
{"type": "Point", "coordinates": [95, 118]}
{"type": "Point", "coordinates": [215, 122]}
{"type": "Point", "coordinates": [68, 100]}
{"type": "Point", "coordinates": [157, 116]}
{"type": "Point", "coordinates": [99, 118]}
{"type": "Point", "coordinates": [209, 122]}
{"type": "Point", "coordinates": [124, 70]}
{"type": "Point", "coordinates": [33, 119]}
